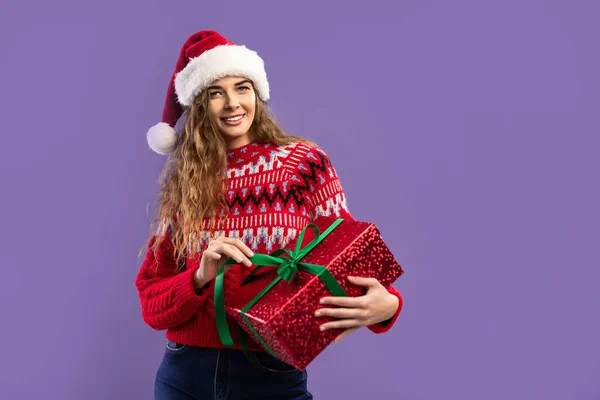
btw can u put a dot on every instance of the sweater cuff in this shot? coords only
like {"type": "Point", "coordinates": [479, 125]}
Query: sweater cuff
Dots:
{"type": "Point", "coordinates": [185, 296]}
{"type": "Point", "coordinates": [385, 326]}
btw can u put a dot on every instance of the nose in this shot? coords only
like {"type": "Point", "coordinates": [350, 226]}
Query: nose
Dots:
{"type": "Point", "coordinates": [232, 102]}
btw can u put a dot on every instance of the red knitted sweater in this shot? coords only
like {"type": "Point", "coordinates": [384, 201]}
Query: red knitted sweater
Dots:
{"type": "Point", "coordinates": [273, 193]}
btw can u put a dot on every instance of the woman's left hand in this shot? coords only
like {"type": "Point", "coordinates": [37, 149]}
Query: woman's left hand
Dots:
{"type": "Point", "coordinates": [376, 306]}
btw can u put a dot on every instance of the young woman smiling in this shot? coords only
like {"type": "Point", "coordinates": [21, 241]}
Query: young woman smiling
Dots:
{"type": "Point", "coordinates": [234, 184]}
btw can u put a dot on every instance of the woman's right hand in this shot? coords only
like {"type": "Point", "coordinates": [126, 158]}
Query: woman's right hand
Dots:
{"type": "Point", "coordinates": [215, 255]}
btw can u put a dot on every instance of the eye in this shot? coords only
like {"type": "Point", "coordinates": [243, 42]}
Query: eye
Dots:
{"type": "Point", "coordinates": [243, 88]}
{"type": "Point", "coordinates": [212, 95]}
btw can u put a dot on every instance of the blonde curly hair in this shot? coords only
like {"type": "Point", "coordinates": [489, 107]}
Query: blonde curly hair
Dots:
{"type": "Point", "coordinates": [193, 181]}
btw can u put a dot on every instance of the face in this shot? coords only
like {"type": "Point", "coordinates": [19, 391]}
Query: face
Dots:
{"type": "Point", "coordinates": [232, 103]}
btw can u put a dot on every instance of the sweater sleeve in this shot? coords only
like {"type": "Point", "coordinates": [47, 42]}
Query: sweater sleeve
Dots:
{"type": "Point", "coordinates": [167, 298]}
{"type": "Point", "coordinates": [322, 192]}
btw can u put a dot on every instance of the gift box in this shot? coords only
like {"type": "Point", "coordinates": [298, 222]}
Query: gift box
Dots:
{"type": "Point", "coordinates": [276, 305]}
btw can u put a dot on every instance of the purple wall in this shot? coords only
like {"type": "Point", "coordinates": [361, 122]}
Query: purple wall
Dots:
{"type": "Point", "coordinates": [467, 131]}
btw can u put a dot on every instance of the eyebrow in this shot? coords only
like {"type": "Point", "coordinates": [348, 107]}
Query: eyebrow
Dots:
{"type": "Point", "coordinates": [237, 84]}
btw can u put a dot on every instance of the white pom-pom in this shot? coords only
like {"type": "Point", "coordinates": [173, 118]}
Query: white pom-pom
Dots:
{"type": "Point", "coordinates": [162, 138]}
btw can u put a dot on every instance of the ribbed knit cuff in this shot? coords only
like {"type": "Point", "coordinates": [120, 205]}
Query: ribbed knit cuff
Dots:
{"type": "Point", "coordinates": [186, 299]}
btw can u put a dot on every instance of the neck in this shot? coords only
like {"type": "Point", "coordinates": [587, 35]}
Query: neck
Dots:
{"type": "Point", "coordinates": [234, 143]}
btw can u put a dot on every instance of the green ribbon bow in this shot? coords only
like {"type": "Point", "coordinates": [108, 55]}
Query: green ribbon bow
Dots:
{"type": "Point", "coordinates": [287, 268]}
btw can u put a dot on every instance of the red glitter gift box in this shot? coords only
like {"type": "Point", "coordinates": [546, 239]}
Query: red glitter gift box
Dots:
{"type": "Point", "coordinates": [282, 320]}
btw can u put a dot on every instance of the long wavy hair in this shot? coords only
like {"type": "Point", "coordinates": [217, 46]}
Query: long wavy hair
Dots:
{"type": "Point", "coordinates": [193, 182]}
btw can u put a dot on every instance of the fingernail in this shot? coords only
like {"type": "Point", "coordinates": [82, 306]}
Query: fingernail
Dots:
{"type": "Point", "coordinates": [322, 328]}
{"type": "Point", "coordinates": [322, 301]}
{"type": "Point", "coordinates": [251, 254]}
{"type": "Point", "coordinates": [318, 314]}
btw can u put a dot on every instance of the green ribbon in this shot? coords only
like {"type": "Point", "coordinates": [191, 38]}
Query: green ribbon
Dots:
{"type": "Point", "coordinates": [287, 268]}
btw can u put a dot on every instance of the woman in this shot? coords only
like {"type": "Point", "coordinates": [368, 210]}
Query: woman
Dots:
{"type": "Point", "coordinates": [234, 184]}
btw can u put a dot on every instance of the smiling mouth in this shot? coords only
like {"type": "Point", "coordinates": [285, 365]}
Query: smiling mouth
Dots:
{"type": "Point", "coordinates": [233, 120]}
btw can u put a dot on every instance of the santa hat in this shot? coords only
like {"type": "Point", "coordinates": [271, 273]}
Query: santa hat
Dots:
{"type": "Point", "coordinates": [205, 57]}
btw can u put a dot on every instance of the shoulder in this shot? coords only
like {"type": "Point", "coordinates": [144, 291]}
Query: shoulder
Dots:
{"type": "Point", "coordinates": [302, 155]}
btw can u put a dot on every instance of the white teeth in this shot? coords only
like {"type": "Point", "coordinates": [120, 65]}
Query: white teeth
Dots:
{"type": "Point", "coordinates": [234, 118]}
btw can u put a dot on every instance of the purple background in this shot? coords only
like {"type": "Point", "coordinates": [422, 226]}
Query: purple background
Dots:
{"type": "Point", "coordinates": [468, 131]}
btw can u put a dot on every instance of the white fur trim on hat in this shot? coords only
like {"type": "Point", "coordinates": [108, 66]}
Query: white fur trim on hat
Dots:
{"type": "Point", "coordinates": [162, 138]}
{"type": "Point", "coordinates": [216, 63]}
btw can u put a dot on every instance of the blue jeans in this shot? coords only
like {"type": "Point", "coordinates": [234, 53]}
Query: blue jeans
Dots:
{"type": "Point", "coordinates": [188, 373]}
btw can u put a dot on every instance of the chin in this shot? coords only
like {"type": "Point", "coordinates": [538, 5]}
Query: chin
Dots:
{"type": "Point", "coordinates": [234, 132]}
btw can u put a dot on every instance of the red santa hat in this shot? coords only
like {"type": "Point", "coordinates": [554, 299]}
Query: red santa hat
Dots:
{"type": "Point", "coordinates": [205, 57]}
